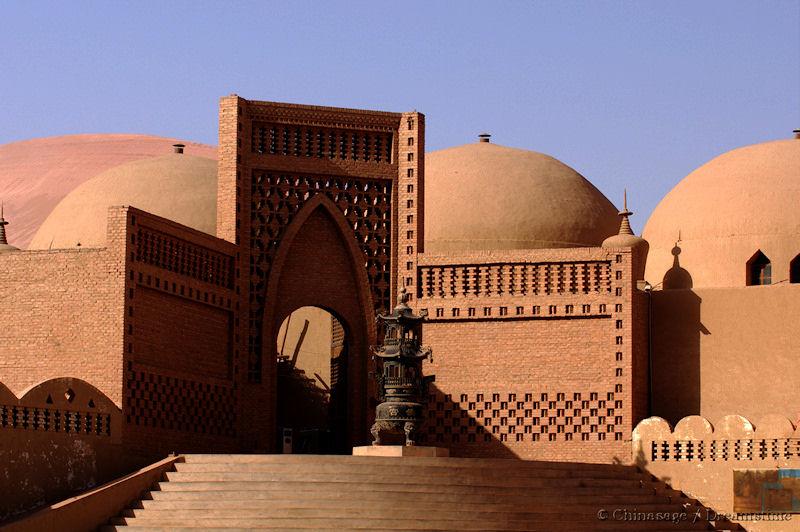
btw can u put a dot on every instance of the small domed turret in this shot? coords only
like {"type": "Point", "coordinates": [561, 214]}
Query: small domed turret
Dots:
{"type": "Point", "coordinates": [626, 239]}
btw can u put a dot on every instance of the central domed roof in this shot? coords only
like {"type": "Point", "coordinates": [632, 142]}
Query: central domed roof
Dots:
{"type": "Point", "coordinates": [182, 188]}
{"type": "Point", "coordinates": [483, 196]}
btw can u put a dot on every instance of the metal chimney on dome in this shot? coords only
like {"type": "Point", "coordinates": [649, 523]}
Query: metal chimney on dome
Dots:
{"type": "Point", "coordinates": [484, 137]}
{"type": "Point", "coordinates": [796, 133]}
{"type": "Point", "coordinates": [178, 148]}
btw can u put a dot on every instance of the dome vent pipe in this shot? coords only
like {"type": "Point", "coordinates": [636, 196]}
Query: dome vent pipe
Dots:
{"type": "Point", "coordinates": [178, 148]}
{"type": "Point", "coordinates": [484, 137]}
{"type": "Point", "coordinates": [796, 133]}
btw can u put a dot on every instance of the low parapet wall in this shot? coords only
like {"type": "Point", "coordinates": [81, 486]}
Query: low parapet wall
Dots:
{"type": "Point", "coordinates": [61, 436]}
{"type": "Point", "coordinates": [699, 457]}
{"type": "Point", "coordinates": [94, 508]}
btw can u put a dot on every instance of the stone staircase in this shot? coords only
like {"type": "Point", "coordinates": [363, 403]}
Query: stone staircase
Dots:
{"type": "Point", "coordinates": [307, 492]}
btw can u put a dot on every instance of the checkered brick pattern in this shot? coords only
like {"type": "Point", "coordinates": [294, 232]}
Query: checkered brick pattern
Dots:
{"type": "Point", "coordinates": [526, 417]}
{"type": "Point", "coordinates": [180, 404]}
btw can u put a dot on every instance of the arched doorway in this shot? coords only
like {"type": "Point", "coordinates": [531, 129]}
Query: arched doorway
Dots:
{"type": "Point", "coordinates": [312, 391]}
{"type": "Point", "coordinates": [319, 264]}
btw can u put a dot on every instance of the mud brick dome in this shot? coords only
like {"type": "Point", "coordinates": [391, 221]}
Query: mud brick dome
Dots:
{"type": "Point", "coordinates": [723, 213]}
{"type": "Point", "coordinates": [483, 196]}
{"type": "Point", "coordinates": [36, 174]}
{"type": "Point", "coordinates": [180, 187]}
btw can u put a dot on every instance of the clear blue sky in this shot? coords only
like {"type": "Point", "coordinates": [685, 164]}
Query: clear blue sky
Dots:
{"type": "Point", "coordinates": [632, 94]}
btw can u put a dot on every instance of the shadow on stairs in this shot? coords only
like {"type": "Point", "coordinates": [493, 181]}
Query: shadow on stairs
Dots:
{"type": "Point", "coordinates": [306, 492]}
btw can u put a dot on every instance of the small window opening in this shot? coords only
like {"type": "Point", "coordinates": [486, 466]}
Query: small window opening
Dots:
{"type": "Point", "coordinates": [794, 270]}
{"type": "Point", "coordinates": [759, 270]}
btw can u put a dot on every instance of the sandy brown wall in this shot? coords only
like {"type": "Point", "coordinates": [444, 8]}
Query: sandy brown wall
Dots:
{"type": "Point", "coordinates": [718, 351]}
{"type": "Point", "coordinates": [63, 315]}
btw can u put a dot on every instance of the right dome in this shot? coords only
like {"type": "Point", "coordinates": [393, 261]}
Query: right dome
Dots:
{"type": "Point", "coordinates": [740, 207]}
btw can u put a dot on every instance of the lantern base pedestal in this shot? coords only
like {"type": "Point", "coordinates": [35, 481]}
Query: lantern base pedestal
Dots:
{"type": "Point", "coordinates": [417, 451]}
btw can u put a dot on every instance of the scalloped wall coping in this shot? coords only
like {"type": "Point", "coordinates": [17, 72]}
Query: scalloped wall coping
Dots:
{"type": "Point", "coordinates": [733, 427]}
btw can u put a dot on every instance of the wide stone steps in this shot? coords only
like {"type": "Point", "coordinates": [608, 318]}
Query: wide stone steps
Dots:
{"type": "Point", "coordinates": [533, 528]}
{"type": "Point", "coordinates": [420, 490]}
{"type": "Point", "coordinates": [380, 511]}
{"type": "Point", "coordinates": [446, 481]}
{"type": "Point", "coordinates": [243, 501]}
{"type": "Point", "coordinates": [546, 523]}
{"type": "Point", "coordinates": [292, 492]}
{"type": "Point", "coordinates": [411, 471]}
{"type": "Point", "coordinates": [407, 462]}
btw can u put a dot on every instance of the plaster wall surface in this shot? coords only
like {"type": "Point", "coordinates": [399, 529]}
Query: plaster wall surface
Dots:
{"type": "Point", "coordinates": [717, 351]}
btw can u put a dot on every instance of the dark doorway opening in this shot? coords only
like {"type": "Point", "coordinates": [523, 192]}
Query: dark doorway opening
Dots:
{"type": "Point", "coordinates": [313, 355]}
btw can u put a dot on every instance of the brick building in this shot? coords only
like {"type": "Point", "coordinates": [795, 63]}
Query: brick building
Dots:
{"type": "Point", "coordinates": [151, 310]}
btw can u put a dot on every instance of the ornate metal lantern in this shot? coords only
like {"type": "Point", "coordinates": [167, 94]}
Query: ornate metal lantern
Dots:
{"type": "Point", "coordinates": [401, 386]}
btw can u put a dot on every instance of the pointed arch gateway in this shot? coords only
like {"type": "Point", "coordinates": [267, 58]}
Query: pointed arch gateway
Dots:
{"type": "Point", "coordinates": [319, 264]}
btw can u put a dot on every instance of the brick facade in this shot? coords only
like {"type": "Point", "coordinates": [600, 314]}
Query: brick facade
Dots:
{"type": "Point", "coordinates": [179, 340]}
{"type": "Point", "coordinates": [537, 353]}
{"type": "Point", "coordinates": [63, 313]}
{"type": "Point", "coordinates": [533, 352]}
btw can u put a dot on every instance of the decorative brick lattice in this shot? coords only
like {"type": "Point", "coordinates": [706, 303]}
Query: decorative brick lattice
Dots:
{"type": "Point", "coordinates": [180, 404]}
{"type": "Point", "coordinates": [330, 143]}
{"type": "Point", "coordinates": [468, 312]}
{"type": "Point", "coordinates": [54, 420]}
{"type": "Point", "coordinates": [181, 257]}
{"type": "Point", "coordinates": [276, 199]}
{"type": "Point", "coordinates": [520, 279]}
{"type": "Point", "coordinates": [512, 417]}
{"type": "Point", "coordinates": [746, 450]}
